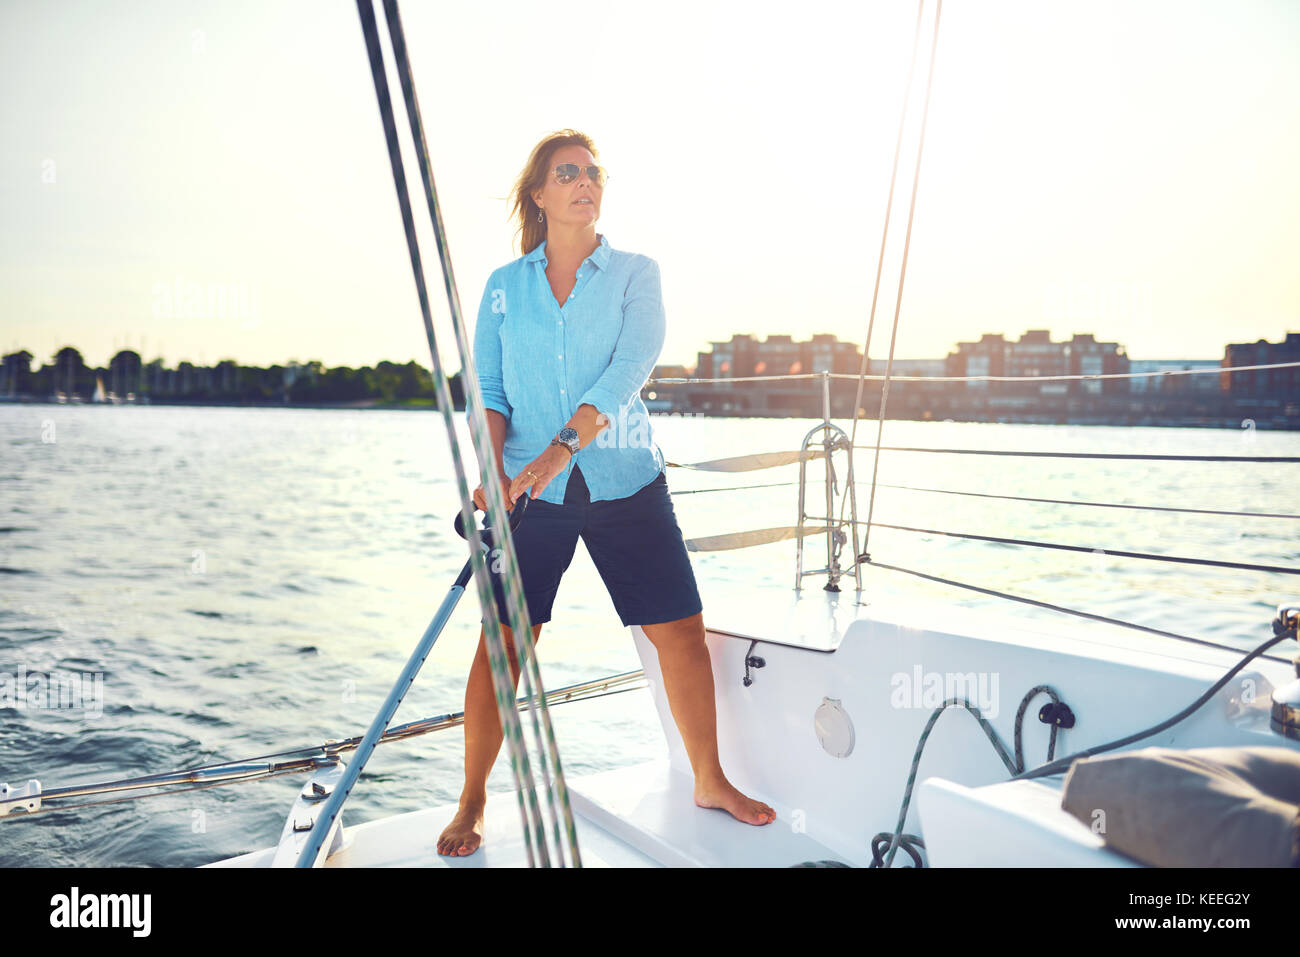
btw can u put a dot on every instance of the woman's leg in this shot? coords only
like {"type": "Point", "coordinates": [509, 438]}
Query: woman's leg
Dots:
{"type": "Point", "coordinates": [483, 737]}
{"type": "Point", "coordinates": [688, 681]}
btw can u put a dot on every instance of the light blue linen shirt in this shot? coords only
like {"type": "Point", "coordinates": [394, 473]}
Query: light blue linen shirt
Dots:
{"type": "Point", "coordinates": [538, 361]}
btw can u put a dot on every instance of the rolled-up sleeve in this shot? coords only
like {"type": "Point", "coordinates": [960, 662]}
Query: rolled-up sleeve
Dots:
{"type": "Point", "coordinates": [638, 347]}
{"type": "Point", "coordinates": [487, 349]}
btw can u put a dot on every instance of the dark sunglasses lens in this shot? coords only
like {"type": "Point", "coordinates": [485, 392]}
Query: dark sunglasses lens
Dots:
{"type": "Point", "coordinates": [567, 173]}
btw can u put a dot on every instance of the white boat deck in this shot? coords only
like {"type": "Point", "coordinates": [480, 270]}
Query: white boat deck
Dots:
{"type": "Point", "coordinates": [410, 840]}
{"type": "Point", "coordinates": [810, 618]}
{"type": "Point", "coordinates": [640, 816]}
{"type": "Point", "coordinates": [818, 620]}
{"type": "Point", "coordinates": [650, 807]}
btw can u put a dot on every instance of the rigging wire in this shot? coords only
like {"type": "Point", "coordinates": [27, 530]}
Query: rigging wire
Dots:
{"type": "Point", "coordinates": [1117, 553]}
{"type": "Point", "coordinates": [1092, 616]}
{"type": "Point", "coordinates": [902, 275]}
{"type": "Point", "coordinates": [1064, 501]}
{"type": "Point", "coordinates": [1016, 498]}
{"type": "Point", "coordinates": [557, 792]}
{"type": "Point", "coordinates": [137, 797]}
{"type": "Point", "coordinates": [413, 730]}
{"type": "Point", "coordinates": [533, 830]}
{"type": "Point", "coordinates": [884, 237]}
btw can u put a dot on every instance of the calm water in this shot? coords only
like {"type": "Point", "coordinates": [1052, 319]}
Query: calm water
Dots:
{"type": "Point", "coordinates": [250, 580]}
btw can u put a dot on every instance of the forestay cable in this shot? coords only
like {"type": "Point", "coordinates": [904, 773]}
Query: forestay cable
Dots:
{"type": "Point", "coordinates": [522, 627]}
{"type": "Point", "coordinates": [865, 367]}
{"type": "Point", "coordinates": [543, 731]}
{"type": "Point", "coordinates": [902, 275]}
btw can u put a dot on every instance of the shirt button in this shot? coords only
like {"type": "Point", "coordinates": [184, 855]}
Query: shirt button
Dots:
{"type": "Point", "coordinates": [561, 392]}
{"type": "Point", "coordinates": [560, 356]}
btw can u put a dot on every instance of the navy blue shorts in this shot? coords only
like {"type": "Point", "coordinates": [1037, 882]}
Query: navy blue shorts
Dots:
{"type": "Point", "coordinates": [634, 542]}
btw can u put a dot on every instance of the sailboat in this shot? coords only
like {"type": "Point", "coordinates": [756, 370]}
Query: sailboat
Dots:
{"type": "Point", "coordinates": [99, 396]}
{"type": "Point", "coordinates": [831, 701]}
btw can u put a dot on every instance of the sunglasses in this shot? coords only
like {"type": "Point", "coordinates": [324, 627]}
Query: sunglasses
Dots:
{"type": "Point", "coordinates": [567, 173]}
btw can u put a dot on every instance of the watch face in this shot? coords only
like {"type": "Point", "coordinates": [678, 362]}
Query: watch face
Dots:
{"type": "Point", "coordinates": [567, 434]}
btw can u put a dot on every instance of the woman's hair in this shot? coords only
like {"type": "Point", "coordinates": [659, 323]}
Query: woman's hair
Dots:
{"type": "Point", "coordinates": [534, 177]}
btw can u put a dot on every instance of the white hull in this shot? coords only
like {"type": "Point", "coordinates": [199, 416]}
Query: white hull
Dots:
{"type": "Point", "coordinates": [829, 807]}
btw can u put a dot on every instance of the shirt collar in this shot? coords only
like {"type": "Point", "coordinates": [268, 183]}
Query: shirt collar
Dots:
{"type": "Point", "coordinates": [599, 256]}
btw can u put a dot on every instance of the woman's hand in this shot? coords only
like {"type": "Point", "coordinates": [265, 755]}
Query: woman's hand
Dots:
{"type": "Point", "coordinates": [480, 496]}
{"type": "Point", "coordinates": [545, 467]}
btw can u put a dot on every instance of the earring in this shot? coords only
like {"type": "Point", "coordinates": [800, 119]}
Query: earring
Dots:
{"type": "Point", "coordinates": [539, 214]}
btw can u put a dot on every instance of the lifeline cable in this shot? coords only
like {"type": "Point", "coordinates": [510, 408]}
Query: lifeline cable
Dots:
{"type": "Point", "coordinates": [1067, 501]}
{"type": "Point", "coordinates": [1061, 608]}
{"type": "Point", "coordinates": [1143, 457]}
{"type": "Point", "coordinates": [1110, 553]}
{"type": "Point", "coordinates": [1018, 498]}
{"type": "Point", "coordinates": [1215, 370]}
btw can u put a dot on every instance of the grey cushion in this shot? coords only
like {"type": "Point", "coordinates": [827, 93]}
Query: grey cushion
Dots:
{"type": "Point", "coordinates": [1203, 807]}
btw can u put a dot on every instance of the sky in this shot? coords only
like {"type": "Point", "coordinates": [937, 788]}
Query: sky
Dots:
{"type": "Point", "coordinates": [1126, 169]}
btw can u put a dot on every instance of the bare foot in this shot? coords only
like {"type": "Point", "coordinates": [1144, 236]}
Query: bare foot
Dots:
{"type": "Point", "coordinates": [721, 794]}
{"type": "Point", "coordinates": [465, 832]}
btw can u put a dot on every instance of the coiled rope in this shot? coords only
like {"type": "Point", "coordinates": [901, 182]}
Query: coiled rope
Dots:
{"type": "Point", "coordinates": [1014, 765]}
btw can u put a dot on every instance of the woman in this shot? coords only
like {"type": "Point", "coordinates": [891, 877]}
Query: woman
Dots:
{"type": "Point", "coordinates": [567, 335]}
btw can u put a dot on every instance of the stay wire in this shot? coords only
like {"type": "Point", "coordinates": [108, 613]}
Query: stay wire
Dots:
{"type": "Point", "coordinates": [543, 731]}
{"type": "Point", "coordinates": [865, 366]}
{"type": "Point", "coordinates": [533, 830]}
{"type": "Point", "coordinates": [902, 275]}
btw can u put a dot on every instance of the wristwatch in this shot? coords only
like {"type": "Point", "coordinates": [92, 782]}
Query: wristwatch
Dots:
{"type": "Point", "coordinates": [567, 437]}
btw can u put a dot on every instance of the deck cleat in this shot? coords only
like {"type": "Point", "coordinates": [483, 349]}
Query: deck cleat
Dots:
{"type": "Point", "coordinates": [1285, 717]}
